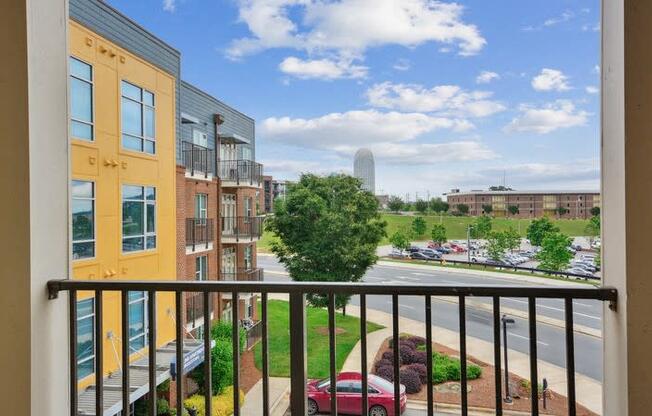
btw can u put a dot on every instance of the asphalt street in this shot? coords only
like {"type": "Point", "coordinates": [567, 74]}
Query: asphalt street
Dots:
{"type": "Point", "coordinates": [550, 339]}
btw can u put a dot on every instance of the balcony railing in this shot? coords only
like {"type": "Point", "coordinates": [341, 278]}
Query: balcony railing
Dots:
{"type": "Point", "coordinates": [198, 160]}
{"type": "Point", "coordinates": [199, 231]}
{"type": "Point", "coordinates": [240, 172]}
{"type": "Point", "coordinates": [297, 349]}
{"type": "Point", "coordinates": [254, 334]}
{"type": "Point", "coordinates": [243, 275]}
{"type": "Point", "coordinates": [242, 228]}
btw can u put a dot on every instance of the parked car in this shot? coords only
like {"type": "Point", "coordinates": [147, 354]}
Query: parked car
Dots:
{"type": "Point", "coordinates": [413, 249]}
{"type": "Point", "coordinates": [432, 253]}
{"type": "Point", "coordinates": [419, 255]}
{"type": "Point", "coordinates": [576, 247]}
{"type": "Point", "coordinates": [395, 254]}
{"type": "Point", "coordinates": [457, 248]}
{"type": "Point", "coordinates": [581, 272]}
{"type": "Point", "coordinates": [349, 395]}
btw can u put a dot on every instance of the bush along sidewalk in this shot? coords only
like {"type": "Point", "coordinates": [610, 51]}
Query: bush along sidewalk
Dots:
{"type": "Point", "coordinates": [222, 404]}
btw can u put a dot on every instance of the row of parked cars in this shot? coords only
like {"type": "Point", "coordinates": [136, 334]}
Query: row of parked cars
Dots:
{"type": "Point", "coordinates": [584, 265]}
{"type": "Point", "coordinates": [432, 252]}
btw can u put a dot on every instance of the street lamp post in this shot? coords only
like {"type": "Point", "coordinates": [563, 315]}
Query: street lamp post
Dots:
{"type": "Point", "coordinates": [506, 320]}
{"type": "Point", "coordinates": [468, 242]}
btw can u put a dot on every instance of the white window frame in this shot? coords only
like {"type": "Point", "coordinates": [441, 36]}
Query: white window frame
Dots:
{"type": "Point", "coordinates": [93, 240]}
{"type": "Point", "coordinates": [201, 268]}
{"type": "Point", "coordinates": [143, 335]}
{"type": "Point", "coordinates": [90, 316]}
{"type": "Point", "coordinates": [143, 137]}
{"type": "Point", "coordinates": [248, 257]}
{"type": "Point", "coordinates": [92, 84]}
{"type": "Point", "coordinates": [201, 205]}
{"type": "Point", "coordinates": [199, 137]}
{"type": "Point", "coordinates": [146, 234]}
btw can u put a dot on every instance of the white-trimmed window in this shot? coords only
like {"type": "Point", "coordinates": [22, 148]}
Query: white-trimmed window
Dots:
{"type": "Point", "coordinates": [248, 257]}
{"type": "Point", "coordinates": [137, 321]}
{"type": "Point", "coordinates": [199, 138]}
{"type": "Point", "coordinates": [83, 220]}
{"type": "Point", "coordinates": [138, 218]}
{"type": "Point", "coordinates": [138, 119]}
{"type": "Point", "coordinates": [85, 338]}
{"type": "Point", "coordinates": [201, 206]}
{"type": "Point", "coordinates": [81, 100]}
{"type": "Point", "coordinates": [201, 268]}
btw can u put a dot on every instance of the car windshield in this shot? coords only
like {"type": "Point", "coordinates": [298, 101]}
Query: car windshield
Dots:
{"type": "Point", "coordinates": [382, 383]}
{"type": "Point", "coordinates": [323, 383]}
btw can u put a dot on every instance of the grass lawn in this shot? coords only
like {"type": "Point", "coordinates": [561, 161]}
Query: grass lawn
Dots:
{"type": "Point", "coordinates": [348, 334]}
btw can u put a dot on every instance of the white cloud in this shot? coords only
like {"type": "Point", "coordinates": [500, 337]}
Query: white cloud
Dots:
{"type": "Point", "coordinates": [402, 65]}
{"type": "Point", "coordinates": [339, 131]}
{"type": "Point", "coordinates": [564, 17]}
{"type": "Point", "coordinates": [592, 89]}
{"type": "Point", "coordinates": [296, 167]}
{"type": "Point", "coordinates": [596, 69]}
{"type": "Point", "coordinates": [348, 27]}
{"type": "Point", "coordinates": [550, 80]}
{"type": "Point", "coordinates": [324, 69]}
{"type": "Point", "coordinates": [559, 114]}
{"type": "Point", "coordinates": [485, 77]}
{"type": "Point", "coordinates": [591, 28]}
{"type": "Point", "coordinates": [169, 5]}
{"type": "Point", "coordinates": [430, 153]}
{"type": "Point", "coordinates": [445, 99]}
{"type": "Point", "coordinates": [567, 175]}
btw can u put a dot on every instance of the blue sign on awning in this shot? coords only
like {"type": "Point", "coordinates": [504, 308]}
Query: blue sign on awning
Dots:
{"type": "Point", "coordinates": [191, 360]}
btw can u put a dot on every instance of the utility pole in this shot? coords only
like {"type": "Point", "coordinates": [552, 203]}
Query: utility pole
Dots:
{"type": "Point", "coordinates": [468, 243]}
{"type": "Point", "coordinates": [506, 320]}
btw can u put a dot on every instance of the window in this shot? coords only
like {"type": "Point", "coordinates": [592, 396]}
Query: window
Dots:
{"type": "Point", "coordinates": [201, 268]}
{"type": "Point", "coordinates": [250, 308]}
{"type": "Point", "coordinates": [246, 153]}
{"type": "Point", "coordinates": [83, 220]}
{"type": "Point", "coordinates": [199, 138]}
{"type": "Point", "coordinates": [248, 258]}
{"type": "Point", "coordinates": [85, 338]}
{"type": "Point", "coordinates": [247, 207]}
{"type": "Point", "coordinates": [81, 100]}
{"type": "Point", "coordinates": [137, 323]}
{"type": "Point", "coordinates": [138, 218]}
{"type": "Point", "coordinates": [201, 210]}
{"type": "Point", "coordinates": [138, 119]}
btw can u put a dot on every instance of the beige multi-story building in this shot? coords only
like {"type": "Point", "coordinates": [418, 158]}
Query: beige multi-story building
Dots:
{"type": "Point", "coordinates": [527, 204]}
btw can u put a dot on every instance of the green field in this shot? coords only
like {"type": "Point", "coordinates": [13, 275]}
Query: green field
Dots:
{"type": "Point", "coordinates": [455, 226]}
{"type": "Point", "coordinates": [348, 334]}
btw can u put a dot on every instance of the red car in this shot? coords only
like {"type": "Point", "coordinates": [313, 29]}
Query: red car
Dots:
{"type": "Point", "coordinates": [349, 395]}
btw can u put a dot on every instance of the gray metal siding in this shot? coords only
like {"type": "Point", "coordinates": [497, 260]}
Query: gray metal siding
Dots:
{"type": "Point", "coordinates": [114, 26]}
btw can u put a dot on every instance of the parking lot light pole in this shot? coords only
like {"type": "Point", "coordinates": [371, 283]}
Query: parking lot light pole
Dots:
{"type": "Point", "coordinates": [506, 320]}
{"type": "Point", "coordinates": [468, 242]}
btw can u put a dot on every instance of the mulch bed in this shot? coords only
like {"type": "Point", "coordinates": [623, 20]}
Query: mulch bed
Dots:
{"type": "Point", "coordinates": [481, 391]}
{"type": "Point", "coordinates": [249, 374]}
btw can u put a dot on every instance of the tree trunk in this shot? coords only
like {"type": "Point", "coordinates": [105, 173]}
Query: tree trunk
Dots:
{"type": "Point", "coordinates": [344, 310]}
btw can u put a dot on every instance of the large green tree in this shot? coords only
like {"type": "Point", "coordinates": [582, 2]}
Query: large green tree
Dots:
{"type": "Point", "coordinates": [538, 229]}
{"type": "Point", "coordinates": [400, 240]}
{"type": "Point", "coordinates": [592, 229]}
{"type": "Point", "coordinates": [554, 254]}
{"type": "Point", "coordinates": [496, 245]}
{"type": "Point", "coordinates": [512, 239]}
{"type": "Point", "coordinates": [482, 227]}
{"type": "Point", "coordinates": [462, 209]}
{"type": "Point", "coordinates": [419, 227]}
{"type": "Point", "coordinates": [421, 206]}
{"type": "Point", "coordinates": [513, 209]}
{"type": "Point", "coordinates": [438, 234]}
{"type": "Point", "coordinates": [438, 206]}
{"type": "Point", "coordinates": [395, 203]}
{"type": "Point", "coordinates": [328, 230]}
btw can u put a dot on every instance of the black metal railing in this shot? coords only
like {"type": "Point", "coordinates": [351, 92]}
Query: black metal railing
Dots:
{"type": "Point", "coordinates": [199, 231]}
{"type": "Point", "coordinates": [242, 172]}
{"type": "Point", "coordinates": [297, 304]}
{"type": "Point", "coordinates": [254, 334]}
{"type": "Point", "coordinates": [197, 159]}
{"type": "Point", "coordinates": [243, 275]}
{"type": "Point", "coordinates": [242, 228]}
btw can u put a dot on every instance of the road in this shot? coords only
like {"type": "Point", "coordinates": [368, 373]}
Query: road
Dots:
{"type": "Point", "coordinates": [550, 339]}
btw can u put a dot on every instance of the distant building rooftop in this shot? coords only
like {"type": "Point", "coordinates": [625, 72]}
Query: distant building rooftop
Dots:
{"type": "Point", "coordinates": [539, 192]}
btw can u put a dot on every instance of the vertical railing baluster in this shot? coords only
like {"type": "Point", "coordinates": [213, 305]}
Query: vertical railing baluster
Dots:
{"type": "Point", "coordinates": [534, 378]}
{"type": "Point", "coordinates": [126, 390]}
{"type": "Point", "coordinates": [429, 393]}
{"type": "Point", "coordinates": [570, 357]}
{"type": "Point", "coordinates": [178, 296]}
{"type": "Point", "coordinates": [395, 349]}
{"type": "Point", "coordinates": [236, 352]}
{"type": "Point", "coordinates": [151, 340]}
{"type": "Point", "coordinates": [463, 379]}
{"type": "Point", "coordinates": [72, 319]}
{"type": "Point", "coordinates": [331, 353]}
{"type": "Point", "coordinates": [497, 365]}
{"type": "Point", "coordinates": [298, 379]}
{"type": "Point", "coordinates": [363, 355]}
{"type": "Point", "coordinates": [208, 382]}
{"type": "Point", "coordinates": [99, 353]}
{"type": "Point", "coordinates": [265, 355]}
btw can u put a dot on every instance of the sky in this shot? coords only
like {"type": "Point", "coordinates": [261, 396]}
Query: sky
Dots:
{"type": "Point", "coordinates": [464, 94]}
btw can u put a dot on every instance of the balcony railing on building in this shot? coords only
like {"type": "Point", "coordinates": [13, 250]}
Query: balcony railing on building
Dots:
{"type": "Point", "coordinates": [242, 229]}
{"type": "Point", "coordinates": [106, 397]}
{"type": "Point", "coordinates": [198, 160]}
{"type": "Point", "coordinates": [194, 310]}
{"type": "Point", "coordinates": [254, 332]}
{"type": "Point", "coordinates": [199, 233]}
{"type": "Point", "coordinates": [240, 173]}
{"type": "Point", "coordinates": [243, 275]}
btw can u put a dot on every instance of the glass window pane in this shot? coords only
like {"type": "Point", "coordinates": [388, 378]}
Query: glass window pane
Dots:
{"type": "Point", "coordinates": [132, 143]}
{"type": "Point", "coordinates": [150, 147]}
{"type": "Point", "coordinates": [81, 69]}
{"type": "Point", "coordinates": [151, 218]}
{"type": "Point", "coordinates": [85, 308]}
{"type": "Point", "coordinates": [149, 122]}
{"type": "Point", "coordinates": [81, 100]}
{"type": "Point", "coordinates": [82, 219]}
{"type": "Point", "coordinates": [133, 244]}
{"type": "Point", "coordinates": [85, 369]}
{"type": "Point", "coordinates": [151, 242]}
{"type": "Point", "coordinates": [82, 189]}
{"type": "Point", "coordinates": [136, 319]}
{"type": "Point", "coordinates": [150, 193]}
{"type": "Point", "coordinates": [148, 98]}
{"type": "Point", "coordinates": [132, 218]}
{"type": "Point", "coordinates": [135, 295]}
{"type": "Point", "coordinates": [132, 91]}
{"type": "Point", "coordinates": [132, 192]}
{"type": "Point", "coordinates": [132, 120]}
{"type": "Point", "coordinates": [83, 250]}
{"type": "Point", "coordinates": [81, 130]}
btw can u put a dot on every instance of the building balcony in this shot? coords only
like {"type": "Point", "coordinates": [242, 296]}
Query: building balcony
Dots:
{"type": "Point", "coordinates": [243, 275]}
{"type": "Point", "coordinates": [199, 234]}
{"type": "Point", "coordinates": [194, 311]}
{"type": "Point", "coordinates": [198, 160]}
{"type": "Point", "coordinates": [238, 173]}
{"type": "Point", "coordinates": [241, 229]}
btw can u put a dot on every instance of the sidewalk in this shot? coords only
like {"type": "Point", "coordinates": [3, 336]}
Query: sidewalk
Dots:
{"type": "Point", "coordinates": [279, 390]}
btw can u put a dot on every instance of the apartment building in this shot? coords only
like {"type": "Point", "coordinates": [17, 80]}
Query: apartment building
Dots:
{"type": "Point", "coordinates": [266, 200]}
{"type": "Point", "coordinates": [527, 204]}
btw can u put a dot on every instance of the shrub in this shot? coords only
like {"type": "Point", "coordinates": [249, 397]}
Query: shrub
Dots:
{"type": "Point", "coordinates": [224, 330]}
{"type": "Point", "coordinates": [222, 367]}
{"type": "Point", "coordinates": [417, 341]}
{"type": "Point", "coordinates": [222, 403]}
{"type": "Point", "coordinates": [386, 372]}
{"type": "Point", "coordinates": [389, 356]}
{"type": "Point", "coordinates": [411, 380]}
{"type": "Point", "coordinates": [407, 355]}
{"type": "Point", "coordinates": [420, 357]}
{"type": "Point", "coordinates": [407, 344]}
{"type": "Point", "coordinates": [421, 370]}
{"type": "Point", "coordinates": [446, 368]}
{"type": "Point", "coordinates": [382, 363]}
{"type": "Point", "coordinates": [473, 371]}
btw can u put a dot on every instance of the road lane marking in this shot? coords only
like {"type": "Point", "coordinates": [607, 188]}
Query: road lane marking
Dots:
{"type": "Point", "coordinates": [597, 318]}
{"type": "Point", "coordinates": [528, 339]}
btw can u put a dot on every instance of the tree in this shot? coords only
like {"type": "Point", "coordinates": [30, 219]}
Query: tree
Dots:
{"type": "Point", "coordinates": [595, 211]}
{"type": "Point", "coordinates": [438, 234]}
{"type": "Point", "coordinates": [400, 240]}
{"type": "Point", "coordinates": [562, 211]}
{"type": "Point", "coordinates": [487, 209]}
{"type": "Point", "coordinates": [500, 188]}
{"type": "Point", "coordinates": [496, 245]}
{"type": "Point", "coordinates": [463, 209]}
{"type": "Point", "coordinates": [512, 239]}
{"type": "Point", "coordinates": [328, 230]}
{"type": "Point", "coordinates": [395, 204]}
{"type": "Point", "coordinates": [438, 206]}
{"type": "Point", "coordinates": [418, 226]}
{"type": "Point", "coordinates": [513, 209]}
{"type": "Point", "coordinates": [592, 229]}
{"type": "Point", "coordinates": [482, 227]}
{"type": "Point", "coordinates": [538, 229]}
{"type": "Point", "coordinates": [421, 206]}
{"type": "Point", "coordinates": [554, 254]}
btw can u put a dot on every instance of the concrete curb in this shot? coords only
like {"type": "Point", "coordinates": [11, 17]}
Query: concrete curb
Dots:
{"type": "Point", "coordinates": [456, 409]}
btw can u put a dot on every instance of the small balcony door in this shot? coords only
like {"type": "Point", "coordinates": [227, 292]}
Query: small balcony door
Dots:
{"type": "Point", "coordinates": [228, 214]}
{"type": "Point", "coordinates": [201, 208]}
{"type": "Point", "coordinates": [200, 138]}
{"type": "Point", "coordinates": [229, 262]}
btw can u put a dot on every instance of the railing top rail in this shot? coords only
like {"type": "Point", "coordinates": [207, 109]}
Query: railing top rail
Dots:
{"type": "Point", "coordinates": [187, 144]}
{"type": "Point", "coordinates": [599, 293]}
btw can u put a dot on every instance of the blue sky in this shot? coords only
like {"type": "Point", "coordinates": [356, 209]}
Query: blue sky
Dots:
{"type": "Point", "coordinates": [446, 95]}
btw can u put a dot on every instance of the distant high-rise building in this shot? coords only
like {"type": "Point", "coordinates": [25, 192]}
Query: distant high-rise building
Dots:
{"type": "Point", "coordinates": [364, 168]}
